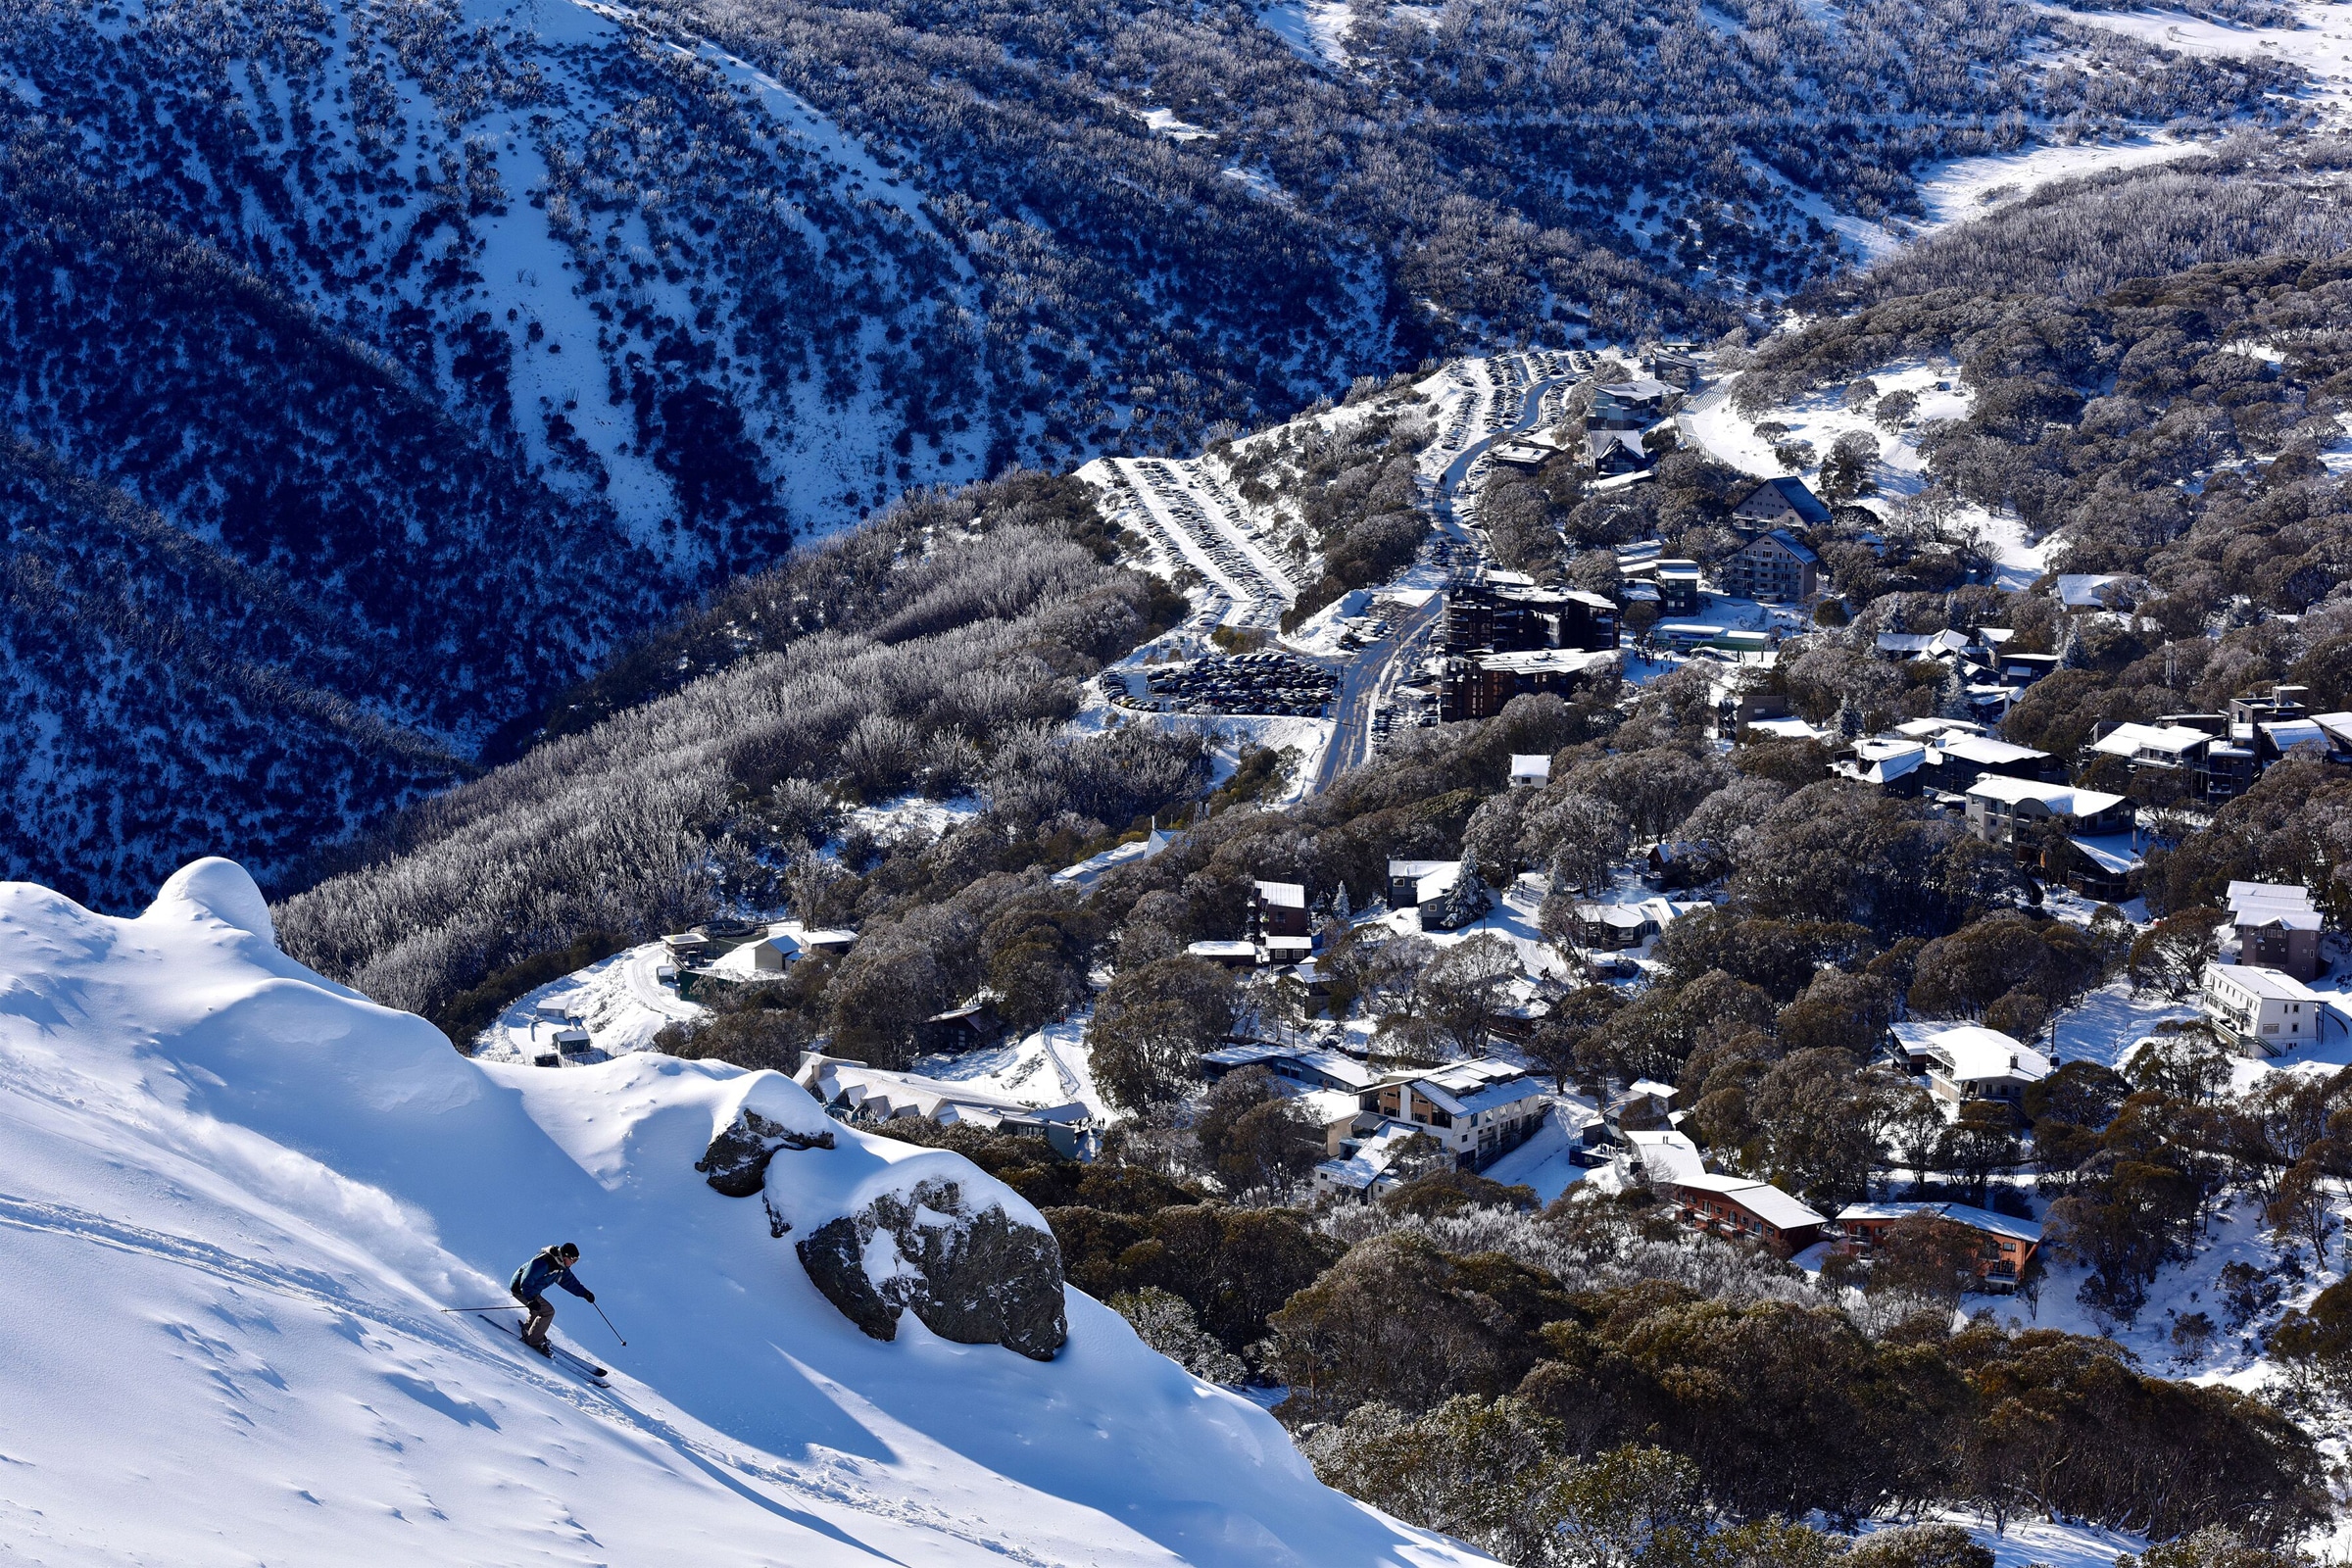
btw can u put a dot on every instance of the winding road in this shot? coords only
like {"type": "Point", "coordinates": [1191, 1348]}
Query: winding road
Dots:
{"type": "Point", "coordinates": [1373, 675]}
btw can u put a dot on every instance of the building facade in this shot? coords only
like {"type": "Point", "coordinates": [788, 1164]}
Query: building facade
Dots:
{"type": "Point", "coordinates": [1775, 567]}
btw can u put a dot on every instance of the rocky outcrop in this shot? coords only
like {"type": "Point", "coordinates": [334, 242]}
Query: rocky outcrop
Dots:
{"type": "Point", "coordinates": [970, 1272]}
{"type": "Point", "coordinates": [736, 1162]}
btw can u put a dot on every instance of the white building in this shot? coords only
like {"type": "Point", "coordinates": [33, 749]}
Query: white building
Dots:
{"type": "Point", "coordinates": [1362, 1171]}
{"type": "Point", "coordinates": [1412, 883]}
{"type": "Point", "coordinates": [1997, 806]}
{"type": "Point", "coordinates": [789, 942]}
{"type": "Point", "coordinates": [1882, 761]}
{"type": "Point", "coordinates": [2264, 1010]}
{"type": "Point", "coordinates": [1968, 1062]}
{"type": "Point", "coordinates": [1665, 1158]}
{"type": "Point", "coordinates": [1475, 1110]}
{"type": "Point", "coordinates": [1530, 771]}
{"type": "Point", "coordinates": [852, 1088]}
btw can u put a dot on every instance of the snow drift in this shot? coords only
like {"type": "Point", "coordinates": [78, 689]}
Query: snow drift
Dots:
{"type": "Point", "coordinates": [234, 1199]}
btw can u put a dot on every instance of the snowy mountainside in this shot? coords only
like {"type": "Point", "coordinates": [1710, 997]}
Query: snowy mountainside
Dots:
{"type": "Point", "coordinates": [477, 337]}
{"type": "Point", "coordinates": [657, 283]}
{"type": "Point", "coordinates": [236, 1197]}
{"type": "Point", "coordinates": [137, 663]}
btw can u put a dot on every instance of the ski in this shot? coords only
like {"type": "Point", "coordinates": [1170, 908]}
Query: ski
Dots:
{"type": "Point", "coordinates": [557, 1354]}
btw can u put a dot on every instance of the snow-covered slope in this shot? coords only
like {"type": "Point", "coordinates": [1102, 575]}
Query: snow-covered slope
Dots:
{"type": "Point", "coordinates": [234, 1197]}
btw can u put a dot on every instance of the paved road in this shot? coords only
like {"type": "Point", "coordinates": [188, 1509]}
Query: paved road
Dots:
{"type": "Point", "coordinates": [643, 984]}
{"type": "Point", "coordinates": [1374, 673]}
{"type": "Point", "coordinates": [1370, 677]}
{"type": "Point", "coordinates": [1531, 415]}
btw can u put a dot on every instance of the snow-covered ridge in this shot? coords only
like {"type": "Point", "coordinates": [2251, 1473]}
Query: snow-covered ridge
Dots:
{"type": "Point", "coordinates": [234, 1199]}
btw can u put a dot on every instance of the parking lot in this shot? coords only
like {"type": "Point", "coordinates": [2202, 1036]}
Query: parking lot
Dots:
{"type": "Point", "coordinates": [1250, 683]}
{"type": "Point", "coordinates": [1198, 522]}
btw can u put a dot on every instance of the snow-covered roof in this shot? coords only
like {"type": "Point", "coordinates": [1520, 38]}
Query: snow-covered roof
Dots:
{"type": "Point", "coordinates": [1417, 869]}
{"type": "Point", "coordinates": [1986, 752]}
{"type": "Point", "coordinates": [1531, 765]}
{"type": "Point", "coordinates": [1281, 894]}
{"type": "Point", "coordinates": [1371, 1160]}
{"type": "Point", "coordinates": [885, 1095]}
{"type": "Point", "coordinates": [2130, 740]}
{"type": "Point", "coordinates": [1537, 660]}
{"type": "Point", "coordinates": [2112, 853]}
{"type": "Point", "coordinates": [1650, 1087]}
{"type": "Point", "coordinates": [1760, 1198]}
{"type": "Point", "coordinates": [2062, 798]}
{"type": "Point", "coordinates": [1929, 643]}
{"type": "Point", "coordinates": [2284, 905]}
{"type": "Point", "coordinates": [2082, 590]}
{"type": "Point", "coordinates": [1293, 1061]}
{"type": "Point", "coordinates": [1328, 1106]}
{"type": "Point", "coordinates": [1088, 870]}
{"type": "Point", "coordinates": [1639, 387]}
{"type": "Point", "coordinates": [1223, 950]}
{"type": "Point", "coordinates": [2273, 985]}
{"type": "Point", "coordinates": [1494, 1097]}
{"type": "Point", "coordinates": [1927, 729]}
{"type": "Point", "coordinates": [1968, 1214]}
{"type": "Point", "coordinates": [1668, 1157]}
{"type": "Point", "coordinates": [1879, 760]}
{"type": "Point", "coordinates": [1462, 1088]}
{"type": "Point", "coordinates": [1971, 1053]}
{"type": "Point", "coordinates": [1783, 729]}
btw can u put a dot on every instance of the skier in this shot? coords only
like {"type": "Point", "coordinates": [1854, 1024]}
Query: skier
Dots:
{"type": "Point", "coordinates": [532, 1280]}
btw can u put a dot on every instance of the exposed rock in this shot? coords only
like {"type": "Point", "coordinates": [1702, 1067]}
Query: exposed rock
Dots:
{"type": "Point", "coordinates": [736, 1162]}
{"type": "Point", "coordinates": [972, 1275]}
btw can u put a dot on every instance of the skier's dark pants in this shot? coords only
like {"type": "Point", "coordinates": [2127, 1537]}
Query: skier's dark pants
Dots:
{"type": "Point", "coordinates": [543, 1313]}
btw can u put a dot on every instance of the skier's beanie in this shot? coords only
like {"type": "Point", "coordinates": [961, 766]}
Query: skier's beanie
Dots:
{"type": "Point", "coordinates": [569, 1249]}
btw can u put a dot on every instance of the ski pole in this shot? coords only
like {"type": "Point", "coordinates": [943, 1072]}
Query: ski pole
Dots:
{"type": "Point", "coordinates": [599, 1312]}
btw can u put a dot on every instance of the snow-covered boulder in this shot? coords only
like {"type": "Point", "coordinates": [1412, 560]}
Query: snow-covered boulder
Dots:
{"type": "Point", "coordinates": [774, 1113]}
{"type": "Point", "coordinates": [235, 1193]}
{"type": "Point", "coordinates": [961, 1264]}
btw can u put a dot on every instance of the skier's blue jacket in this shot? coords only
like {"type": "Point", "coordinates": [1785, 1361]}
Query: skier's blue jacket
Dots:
{"type": "Point", "coordinates": [543, 1271]}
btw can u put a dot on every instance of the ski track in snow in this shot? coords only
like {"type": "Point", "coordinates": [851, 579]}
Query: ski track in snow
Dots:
{"type": "Point", "coordinates": [237, 1197]}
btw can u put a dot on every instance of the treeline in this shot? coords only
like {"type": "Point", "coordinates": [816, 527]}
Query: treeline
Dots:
{"type": "Point", "coordinates": [134, 656]}
{"type": "Point", "coordinates": [2076, 239]}
{"type": "Point", "coordinates": [1353, 491]}
{"type": "Point", "coordinates": [913, 656]}
{"type": "Point", "coordinates": [1526, 1380]}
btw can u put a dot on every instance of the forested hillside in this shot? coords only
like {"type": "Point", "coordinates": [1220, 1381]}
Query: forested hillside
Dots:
{"type": "Point", "coordinates": [489, 337]}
